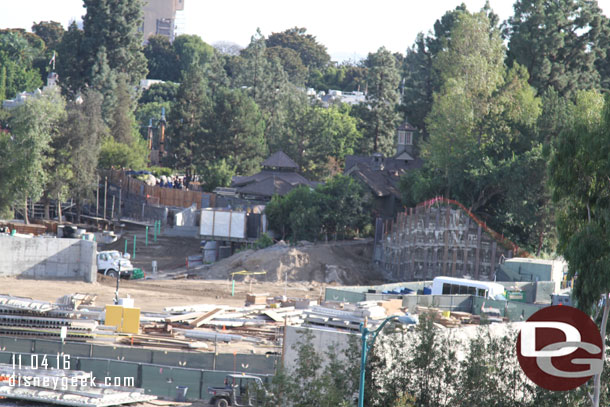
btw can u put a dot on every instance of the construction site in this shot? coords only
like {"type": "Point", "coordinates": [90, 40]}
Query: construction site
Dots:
{"type": "Point", "coordinates": [196, 312]}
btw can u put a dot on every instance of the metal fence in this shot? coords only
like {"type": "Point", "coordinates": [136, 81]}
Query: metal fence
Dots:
{"type": "Point", "coordinates": [159, 372]}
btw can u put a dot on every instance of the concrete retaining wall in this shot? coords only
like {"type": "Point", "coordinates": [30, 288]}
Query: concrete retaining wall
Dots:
{"type": "Point", "coordinates": [323, 340]}
{"type": "Point", "coordinates": [48, 258]}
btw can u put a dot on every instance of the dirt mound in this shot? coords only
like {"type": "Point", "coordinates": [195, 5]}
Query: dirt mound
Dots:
{"type": "Point", "coordinates": [346, 262]}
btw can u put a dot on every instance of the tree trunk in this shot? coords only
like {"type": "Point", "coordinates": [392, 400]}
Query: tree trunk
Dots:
{"type": "Point", "coordinates": [25, 213]}
{"type": "Point", "coordinates": [47, 207]}
{"type": "Point", "coordinates": [59, 209]}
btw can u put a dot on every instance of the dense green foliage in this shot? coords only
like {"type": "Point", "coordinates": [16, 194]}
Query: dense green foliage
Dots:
{"type": "Point", "coordinates": [484, 134]}
{"type": "Point", "coordinates": [340, 206]}
{"type": "Point", "coordinates": [559, 42]}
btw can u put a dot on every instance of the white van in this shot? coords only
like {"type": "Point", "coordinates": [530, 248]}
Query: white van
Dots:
{"type": "Point", "coordinates": [452, 285]}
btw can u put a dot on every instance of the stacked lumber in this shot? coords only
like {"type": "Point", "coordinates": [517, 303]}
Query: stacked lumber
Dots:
{"type": "Point", "coordinates": [444, 318]}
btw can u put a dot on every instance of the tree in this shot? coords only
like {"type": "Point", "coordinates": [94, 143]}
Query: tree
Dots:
{"type": "Point", "coordinates": [190, 49]}
{"type": "Point", "coordinates": [291, 62]}
{"type": "Point", "coordinates": [421, 80]}
{"type": "Point", "coordinates": [159, 92]}
{"type": "Point", "coordinates": [18, 51]}
{"type": "Point", "coordinates": [482, 133]}
{"type": "Point", "coordinates": [114, 25]}
{"type": "Point", "coordinates": [558, 42]}
{"type": "Point", "coordinates": [24, 153]}
{"type": "Point", "coordinates": [184, 130]}
{"type": "Point", "coordinates": [70, 55]}
{"type": "Point", "coordinates": [382, 98]}
{"type": "Point", "coordinates": [162, 59]}
{"type": "Point", "coordinates": [312, 54]}
{"type": "Point", "coordinates": [345, 207]}
{"type": "Point", "coordinates": [234, 132]}
{"type": "Point", "coordinates": [51, 33]}
{"type": "Point", "coordinates": [123, 126]}
{"type": "Point", "coordinates": [120, 155]}
{"type": "Point", "coordinates": [579, 173]}
{"type": "Point", "coordinates": [82, 133]}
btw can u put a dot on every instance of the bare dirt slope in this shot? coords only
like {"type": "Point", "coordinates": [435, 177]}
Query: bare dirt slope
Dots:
{"type": "Point", "coordinates": [345, 262]}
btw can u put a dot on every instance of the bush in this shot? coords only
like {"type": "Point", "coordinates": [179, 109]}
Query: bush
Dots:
{"type": "Point", "coordinates": [263, 241]}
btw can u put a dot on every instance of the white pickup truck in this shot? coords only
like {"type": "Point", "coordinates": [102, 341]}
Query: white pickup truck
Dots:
{"type": "Point", "coordinates": [109, 262]}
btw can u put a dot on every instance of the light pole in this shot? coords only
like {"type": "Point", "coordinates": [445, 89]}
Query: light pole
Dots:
{"type": "Point", "coordinates": [403, 319]}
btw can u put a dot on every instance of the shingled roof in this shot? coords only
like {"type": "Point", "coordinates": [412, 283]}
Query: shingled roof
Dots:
{"type": "Point", "coordinates": [279, 159]}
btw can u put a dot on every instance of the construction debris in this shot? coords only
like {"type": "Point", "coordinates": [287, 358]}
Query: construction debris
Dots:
{"type": "Point", "coordinates": [64, 387]}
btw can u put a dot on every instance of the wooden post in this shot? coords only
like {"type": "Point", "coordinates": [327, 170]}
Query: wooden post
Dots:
{"type": "Point", "coordinates": [477, 254]}
{"type": "Point", "coordinates": [105, 195]}
{"type": "Point", "coordinates": [97, 199]}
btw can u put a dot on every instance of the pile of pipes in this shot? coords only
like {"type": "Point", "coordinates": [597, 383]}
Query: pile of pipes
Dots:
{"type": "Point", "coordinates": [27, 317]}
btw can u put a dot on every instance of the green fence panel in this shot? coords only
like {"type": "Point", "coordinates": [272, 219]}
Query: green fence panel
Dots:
{"type": "Point", "coordinates": [158, 380]}
{"type": "Point", "coordinates": [246, 363]}
{"type": "Point", "coordinates": [49, 347]}
{"type": "Point", "coordinates": [98, 367]}
{"type": "Point", "coordinates": [136, 355]}
{"type": "Point", "coordinates": [17, 345]}
{"type": "Point", "coordinates": [119, 372]}
{"type": "Point", "coordinates": [190, 378]}
{"type": "Point", "coordinates": [193, 360]}
{"type": "Point", "coordinates": [6, 357]}
{"type": "Point", "coordinates": [106, 352]}
{"type": "Point", "coordinates": [76, 349]}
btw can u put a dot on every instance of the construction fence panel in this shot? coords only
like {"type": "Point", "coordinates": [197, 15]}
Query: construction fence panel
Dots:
{"type": "Point", "coordinates": [105, 352]}
{"type": "Point", "coordinates": [333, 294]}
{"type": "Point", "coordinates": [6, 357]}
{"type": "Point", "coordinates": [190, 378]}
{"type": "Point", "coordinates": [186, 359]}
{"type": "Point", "coordinates": [246, 363]}
{"type": "Point", "coordinates": [50, 347]}
{"type": "Point", "coordinates": [77, 349]}
{"type": "Point", "coordinates": [515, 311]}
{"type": "Point", "coordinates": [158, 380]}
{"type": "Point", "coordinates": [17, 344]}
{"type": "Point", "coordinates": [252, 364]}
{"type": "Point", "coordinates": [122, 373]}
{"type": "Point", "coordinates": [136, 355]}
{"type": "Point", "coordinates": [97, 367]}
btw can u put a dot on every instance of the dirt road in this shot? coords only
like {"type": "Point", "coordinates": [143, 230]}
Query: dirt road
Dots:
{"type": "Point", "coordinates": [154, 295]}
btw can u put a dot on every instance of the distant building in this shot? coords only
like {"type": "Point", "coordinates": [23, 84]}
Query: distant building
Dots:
{"type": "Point", "coordinates": [381, 175]}
{"type": "Point", "coordinates": [278, 177]}
{"type": "Point", "coordinates": [20, 98]}
{"type": "Point", "coordinates": [163, 17]}
{"type": "Point", "coordinates": [337, 96]}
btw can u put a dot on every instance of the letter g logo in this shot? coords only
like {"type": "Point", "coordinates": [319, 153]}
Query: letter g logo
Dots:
{"type": "Point", "coordinates": [559, 348]}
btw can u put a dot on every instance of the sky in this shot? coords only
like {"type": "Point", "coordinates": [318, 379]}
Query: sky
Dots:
{"type": "Point", "coordinates": [350, 29]}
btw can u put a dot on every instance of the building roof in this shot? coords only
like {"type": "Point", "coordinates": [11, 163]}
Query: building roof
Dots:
{"type": "Point", "coordinates": [407, 126]}
{"type": "Point", "coordinates": [267, 183]}
{"type": "Point", "coordinates": [381, 177]}
{"type": "Point", "coordinates": [279, 159]}
{"type": "Point", "coordinates": [267, 187]}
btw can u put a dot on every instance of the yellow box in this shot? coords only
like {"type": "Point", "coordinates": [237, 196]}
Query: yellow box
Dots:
{"type": "Point", "coordinates": [114, 316]}
{"type": "Point", "coordinates": [131, 320]}
{"type": "Point", "coordinates": [126, 320]}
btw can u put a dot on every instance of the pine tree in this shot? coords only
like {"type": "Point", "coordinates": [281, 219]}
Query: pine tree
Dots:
{"type": "Point", "coordinates": [382, 98]}
{"type": "Point", "coordinates": [558, 42]}
{"type": "Point", "coordinates": [113, 24]}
